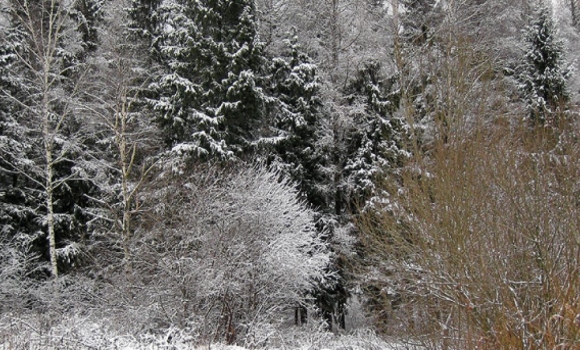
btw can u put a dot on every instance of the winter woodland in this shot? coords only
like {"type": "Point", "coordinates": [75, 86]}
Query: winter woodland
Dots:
{"type": "Point", "coordinates": [289, 174]}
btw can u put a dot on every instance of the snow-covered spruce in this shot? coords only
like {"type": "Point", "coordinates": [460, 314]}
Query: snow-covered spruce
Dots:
{"type": "Point", "coordinates": [543, 79]}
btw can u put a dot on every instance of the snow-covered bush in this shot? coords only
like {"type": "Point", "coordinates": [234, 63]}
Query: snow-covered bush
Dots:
{"type": "Point", "coordinates": [80, 331]}
{"type": "Point", "coordinates": [227, 250]}
{"type": "Point", "coordinates": [16, 264]}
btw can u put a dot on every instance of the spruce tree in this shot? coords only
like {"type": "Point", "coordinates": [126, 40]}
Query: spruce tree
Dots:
{"type": "Point", "coordinates": [419, 21]}
{"type": "Point", "coordinates": [211, 96]}
{"type": "Point", "coordinates": [543, 80]}
{"type": "Point", "coordinates": [88, 14]}
{"type": "Point", "coordinates": [366, 151]}
{"type": "Point", "coordinates": [377, 139]}
{"type": "Point", "coordinates": [297, 118]}
{"type": "Point", "coordinates": [144, 25]}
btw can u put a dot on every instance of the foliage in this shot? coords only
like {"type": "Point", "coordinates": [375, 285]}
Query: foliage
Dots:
{"type": "Point", "coordinates": [377, 140]}
{"type": "Point", "coordinates": [402, 178]}
{"type": "Point", "coordinates": [420, 21]}
{"type": "Point", "coordinates": [81, 331]}
{"type": "Point", "coordinates": [295, 83]}
{"type": "Point", "coordinates": [126, 142]}
{"type": "Point", "coordinates": [44, 138]}
{"type": "Point", "coordinates": [88, 14]}
{"type": "Point", "coordinates": [211, 101]}
{"type": "Point", "coordinates": [144, 21]}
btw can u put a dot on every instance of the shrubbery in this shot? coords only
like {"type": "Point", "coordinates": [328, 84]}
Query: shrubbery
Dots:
{"type": "Point", "coordinates": [483, 240]}
{"type": "Point", "coordinates": [224, 255]}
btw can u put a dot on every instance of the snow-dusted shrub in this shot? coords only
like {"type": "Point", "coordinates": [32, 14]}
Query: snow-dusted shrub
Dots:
{"type": "Point", "coordinates": [17, 262]}
{"type": "Point", "coordinates": [86, 332]}
{"type": "Point", "coordinates": [80, 332]}
{"type": "Point", "coordinates": [227, 250]}
{"type": "Point", "coordinates": [485, 253]}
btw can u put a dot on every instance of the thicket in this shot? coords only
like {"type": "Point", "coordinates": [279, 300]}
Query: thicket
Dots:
{"type": "Point", "coordinates": [481, 245]}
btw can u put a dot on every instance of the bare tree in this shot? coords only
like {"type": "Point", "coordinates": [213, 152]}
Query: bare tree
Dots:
{"type": "Point", "coordinates": [114, 97]}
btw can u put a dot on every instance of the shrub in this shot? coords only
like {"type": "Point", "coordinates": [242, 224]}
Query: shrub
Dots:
{"type": "Point", "coordinates": [225, 250]}
{"type": "Point", "coordinates": [484, 241]}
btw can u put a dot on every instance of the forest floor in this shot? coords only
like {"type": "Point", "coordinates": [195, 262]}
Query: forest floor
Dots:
{"type": "Point", "coordinates": [78, 332]}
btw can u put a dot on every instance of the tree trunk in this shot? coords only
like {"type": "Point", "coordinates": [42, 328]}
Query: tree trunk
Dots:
{"type": "Point", "coordinates": [49, 169]}
{"type": "Point", "coordinates": [125, 170]}
{"type": "Point", "coordinates": [334, 39]}
{"type": "Point", "coordinates": [299, 316]}
{"type": "Point", "coordinates": [50, 217]}
{"type": "Point", "coordinates": [573, 12]}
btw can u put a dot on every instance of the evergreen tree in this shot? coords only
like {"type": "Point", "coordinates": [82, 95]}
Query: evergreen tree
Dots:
{"type": "Point", "coordinates": [377, 139]}
{"type": "Point", "coordinates": [295, 84]}
{"type": "Point", "coordinates": [88, 14]}
{"type": "Point", "coordinates": [419, 20]}
{"type": "Point", "coordinates": [363, 152]}
{"type": "Point", "coordinates": [298, 116]}
{"type": "Point", "coordinates": [144, 23]}
{"type": "Point", "coordinates": [416, 45]}
{"type": "Point", "coordinates": [211, 97]}
{"type": "Point", "coordinates": [543, 81]}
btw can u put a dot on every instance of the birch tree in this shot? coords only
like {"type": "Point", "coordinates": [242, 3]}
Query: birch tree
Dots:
{"type": "Point", "coordinates": [47, 68]}
{"type": "Point", "coordinates": [127, 134]}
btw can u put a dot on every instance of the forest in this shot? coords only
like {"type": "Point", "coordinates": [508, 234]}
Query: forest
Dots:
{"type": "Point", "coordinates": [289, 174]}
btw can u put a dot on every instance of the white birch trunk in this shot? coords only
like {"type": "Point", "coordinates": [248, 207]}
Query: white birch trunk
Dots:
{"type": "Point", "coordinates": [49, 201]}
{"type": "Point", "coordinates": [47, 56]}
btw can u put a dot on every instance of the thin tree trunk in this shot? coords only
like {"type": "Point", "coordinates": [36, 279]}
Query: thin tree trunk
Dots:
{"type": "Point", "coordinates": [50, 215]}
{"type": "Point", "coordinates": [126, 221]}
{"type": "Point", "coordinates": [127, 157]}
{"type": "Point", "coordinates": [335, 38]}
{"type": "Point", "coordinates": [573, 4]}
{"type": "Point", "coordinates": [48, 147]}
{"type": "Point", "coordinates": [49, 184]}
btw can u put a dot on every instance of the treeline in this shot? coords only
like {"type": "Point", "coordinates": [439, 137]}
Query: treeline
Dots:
{"type": "Point", "coordinates": [230, 158]}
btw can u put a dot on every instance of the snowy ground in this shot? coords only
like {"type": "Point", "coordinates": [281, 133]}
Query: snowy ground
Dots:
{"type": "Point", "coordinates": [80, 333]}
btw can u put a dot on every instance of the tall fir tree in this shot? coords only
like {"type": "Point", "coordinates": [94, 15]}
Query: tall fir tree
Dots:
{"type": "Point", "coordinates": [88, 14]}
{"type": "Point", "coordinates": [419, 21]}
{"type": "Point", "coordinates": [295, 85]}
{"type": "Point", "coordinates": [377, 139]}
{"type": "Point", "coordinates": [364, 151]}
{"type": "Point", "coordinates": [144, 24]}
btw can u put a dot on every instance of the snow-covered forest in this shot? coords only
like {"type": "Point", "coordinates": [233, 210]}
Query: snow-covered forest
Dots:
{"type": "Point", "coordinates": [289, 174]}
